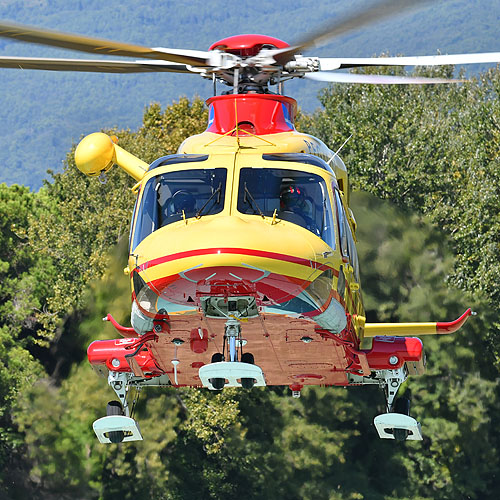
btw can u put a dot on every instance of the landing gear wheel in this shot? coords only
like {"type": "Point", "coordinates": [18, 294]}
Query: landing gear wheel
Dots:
{"type": "Point", "coordinates": [115, 408]}
{"type": "Point", "coordinates": [218, 383]}
{"type": "Point", "coordinates": [402, 405]}
{"type": "Point", "coordinates": [217, 357]}
{"type": "Point", "coordinates": [400, 435]}
{"type": "Point", "coordinates": [247, 383]}
{"type": "Point", "coordinates": [247, 357]}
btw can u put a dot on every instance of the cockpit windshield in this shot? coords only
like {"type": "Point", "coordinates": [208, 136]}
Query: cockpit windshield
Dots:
{"type": "Point", "coordinates": [298, 197]}
{"type": "Point", "coordinates": [172, 196]}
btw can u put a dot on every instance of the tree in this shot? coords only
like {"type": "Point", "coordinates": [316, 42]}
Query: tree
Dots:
{"type": "Point", "coordinates": [81, 219]}
{"type": "Point", "coordinates": [433, 149]}
{"type": "Point", "coordinates": [264, 444]}
{"type": "Point", "coordinates": [22, 287]}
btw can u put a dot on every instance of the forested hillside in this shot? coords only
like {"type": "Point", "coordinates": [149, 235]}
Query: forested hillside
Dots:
{"type": "Point", "coordinates": [427, 255]}
{"type": "Point", "coordinates": [42, 113]}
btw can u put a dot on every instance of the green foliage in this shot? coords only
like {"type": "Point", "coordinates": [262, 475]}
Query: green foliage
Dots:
{"type": "Point", "coordinates": [405, 264]}
{"type": "Point", "coordinates": [433, 149]}
{"type": "Point", "coordinates": [166, 130]}
{"type": "Point", "coordinates": [44, 111]}
{"type": "Point", "coordinates": [55, 243]}
{"type": "Point", "coordinates": [59, 273]}
{"type": "Point", "coordinates": [80, 219]}
{"type": "Point", "coordinates": [22, 288]}
{"type": "Point", "coordinates": [262, 444]}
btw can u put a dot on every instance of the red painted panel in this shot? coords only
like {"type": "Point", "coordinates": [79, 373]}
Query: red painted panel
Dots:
{"type": "Point", "coordinates": [278, 288]}
{"type": "Point", "coordinates": [452, 326]}
{"type": "Point", "coordinates": [405, 348]}
{"type": "Point", "coordinates": [267, 114]}
{"type": "Point", "coordinates": [199, 341]}
{"type": "Point", "coordinates": [247, 45]}
{"type": "Point", "coordinates": [236, 251]}
{"type": "Point", "coordinates": [112, 354]}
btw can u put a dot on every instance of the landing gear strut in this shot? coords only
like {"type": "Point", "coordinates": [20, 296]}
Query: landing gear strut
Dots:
{"type": "Point", "coordinates": [233, 373]}
{"type": "Point", "coordinates": [117, 426]}
{"type": "Point", "coordinates": [396, 423]}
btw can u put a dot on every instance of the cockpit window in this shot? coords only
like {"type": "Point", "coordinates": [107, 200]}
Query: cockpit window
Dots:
{"type": "Point", "coordinates": [298, 197]}
{"type": "Point", "coordinates": [172, 196]}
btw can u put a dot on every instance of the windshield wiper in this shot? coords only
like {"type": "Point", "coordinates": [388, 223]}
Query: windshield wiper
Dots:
{"type": "Point", "coordinates": [216, 192]}
{"type": "Point", "coordinates": [252, 199]}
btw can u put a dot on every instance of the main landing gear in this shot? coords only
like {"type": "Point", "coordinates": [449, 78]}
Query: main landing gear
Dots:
{"type": "Point", "coordinates": [233, 373]}
{"type": "Point", "coordinates": [118, 426]}
{"type": "Point", "coordinates": [396, 423]}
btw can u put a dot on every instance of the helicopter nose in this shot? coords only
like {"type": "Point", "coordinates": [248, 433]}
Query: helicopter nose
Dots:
{"type": "Point", "coordinates": [253, 253]}
{"type": "Point", "coordinates": [223, 240]}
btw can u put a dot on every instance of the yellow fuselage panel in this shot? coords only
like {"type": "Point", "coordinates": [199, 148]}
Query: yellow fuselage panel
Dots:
{"type": "Point", "coordinates": [256, 242]}
{"type": "Point", "coordinates": [271, 258]}
{"type": "Point", "coordinates": [232, 229]}
{"type": "Point", "coordinates": [284, 142]}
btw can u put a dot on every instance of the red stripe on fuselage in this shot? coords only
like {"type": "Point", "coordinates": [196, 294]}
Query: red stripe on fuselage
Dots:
{"type": "Point", "coordinates": [238, 251]}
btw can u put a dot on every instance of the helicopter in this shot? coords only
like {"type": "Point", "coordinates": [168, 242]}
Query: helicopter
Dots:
{"type": "Point", "coordinates": [242, 251]}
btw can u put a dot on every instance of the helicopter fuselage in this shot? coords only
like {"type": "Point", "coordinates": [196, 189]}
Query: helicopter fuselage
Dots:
{"type": "Point", "coordinates": [248, 222]}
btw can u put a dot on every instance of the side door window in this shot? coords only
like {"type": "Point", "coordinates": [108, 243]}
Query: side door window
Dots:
{"type": "Point", "coordinates": [342, 225]}
{"type": "Point", "coordinates": [347, 245]}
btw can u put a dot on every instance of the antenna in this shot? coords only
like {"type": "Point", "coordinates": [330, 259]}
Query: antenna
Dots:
{"type": "Point", "coordinates": [338, 150]}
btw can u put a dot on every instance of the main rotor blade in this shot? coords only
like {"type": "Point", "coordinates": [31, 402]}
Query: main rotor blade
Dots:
{"type": "Point", "coordinates": [377, 12]}
{"type": "Point", "coordinates": [96, 46]}
{"type": "Point", "coordinates": [94, 66]}
{"type": "Point", "coordinates": [331, 63]}
{"type": "Point", "coordinates": [335, 77]}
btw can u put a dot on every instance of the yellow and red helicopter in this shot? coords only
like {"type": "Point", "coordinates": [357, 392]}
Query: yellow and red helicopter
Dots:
{"type": "Point", "coordinates": [242, 256]}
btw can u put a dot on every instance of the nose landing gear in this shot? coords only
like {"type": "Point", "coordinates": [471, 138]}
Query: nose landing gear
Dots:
{"type": "Point", "coordinates": [233, 373]}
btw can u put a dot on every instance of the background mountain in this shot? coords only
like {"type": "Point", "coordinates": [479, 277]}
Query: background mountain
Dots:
{"type": "Point", "coordinates": [42, 113]}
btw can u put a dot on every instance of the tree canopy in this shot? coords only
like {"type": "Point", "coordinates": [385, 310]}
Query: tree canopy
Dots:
{"type": "Point", "coordinates": [432, 149]}
{"type": "Point", "coordinates": [425, 255]}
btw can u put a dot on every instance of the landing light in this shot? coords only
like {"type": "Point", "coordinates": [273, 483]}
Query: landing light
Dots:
{"type": "Point", "coordinates": [393, 360]}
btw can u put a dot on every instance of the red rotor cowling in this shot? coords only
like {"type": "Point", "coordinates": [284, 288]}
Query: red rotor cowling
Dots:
{"type": "Point", "coordinates": [247, 45]}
